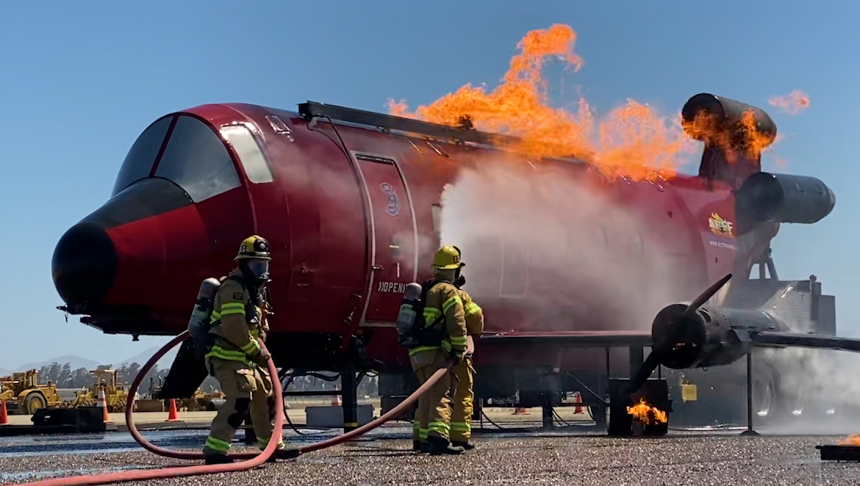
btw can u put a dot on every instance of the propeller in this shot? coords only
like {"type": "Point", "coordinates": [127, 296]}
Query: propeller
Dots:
{"type": "Point", "coordinates": [706, 295]}
{"type": "Point", "coordinates": [657, 352]}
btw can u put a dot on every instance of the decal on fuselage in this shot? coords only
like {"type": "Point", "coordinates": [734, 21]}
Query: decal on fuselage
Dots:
{"type": "Point", "coordinates": [393, 208]}
{"type": "Point", "coordinates": [392, 287]}
{"type": "Point", "coordinates": [722, 244]}
{"type": "Point", "coordinates": [720, 226]}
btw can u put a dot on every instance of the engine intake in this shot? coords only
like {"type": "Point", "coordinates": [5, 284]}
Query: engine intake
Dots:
{"type": "Point", "coordinates": [784, 198]}
{"type": "Point", "coordinates": [679, 339]}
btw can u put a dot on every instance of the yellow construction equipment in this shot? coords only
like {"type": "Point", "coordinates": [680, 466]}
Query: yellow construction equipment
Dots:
{"type": "Point", "coordinates": [24, 391]}
{"type": "Point", "coordinates": [198, 402]}
{"type": "Point", "coordinates": [116, 396]}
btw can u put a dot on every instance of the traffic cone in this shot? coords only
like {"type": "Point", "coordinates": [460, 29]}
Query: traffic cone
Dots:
{"type": "Point", "coordinates": [173, 416]}
{"type": "Point", "coordinates": [578, 402]}
{"type": "Point", "coordinates": [335, 400]}
{"type": "Point", "coordinates": [4, 417]}
{"type": "Point", "coordinates": [103, 403]}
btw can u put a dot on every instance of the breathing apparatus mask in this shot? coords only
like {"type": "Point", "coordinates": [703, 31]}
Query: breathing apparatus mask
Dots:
{"type": "Point", "coordinates": [256, 272]}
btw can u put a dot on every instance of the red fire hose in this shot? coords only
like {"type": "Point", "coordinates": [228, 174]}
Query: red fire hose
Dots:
{"type": "Point", "coordinates": [252, 459]}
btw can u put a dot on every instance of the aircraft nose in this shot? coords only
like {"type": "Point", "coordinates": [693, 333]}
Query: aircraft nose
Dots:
{"type": "Point", "coordinates": [84, 264]}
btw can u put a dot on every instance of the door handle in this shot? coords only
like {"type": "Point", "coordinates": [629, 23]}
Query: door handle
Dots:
{"type": "Point", "coordinates": [378, 267]}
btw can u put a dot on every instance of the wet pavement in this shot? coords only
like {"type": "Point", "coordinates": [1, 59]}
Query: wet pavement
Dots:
{"type": "Point", "coordinates": [572, 454]}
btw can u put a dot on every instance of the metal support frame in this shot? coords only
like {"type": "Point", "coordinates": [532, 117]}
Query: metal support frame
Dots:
{"type": "Point", "coordinates": [749, 431]}
{"type": "Point", "coordinates": [350, 398]}
{"type": "Point", "coordinates": [766, 265]}
{"type": "Point", "coordinates": [546, 415]}
{"type": "Point", "coordinates": [637, 357]}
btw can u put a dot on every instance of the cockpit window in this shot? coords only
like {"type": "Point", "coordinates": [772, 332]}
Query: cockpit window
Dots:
{"type": "Point", "coordinates": [138, 162]}
{"type": "Point", "coordinates": [248, 150]}
{"type": "Point", "coordinates": [197, 160]}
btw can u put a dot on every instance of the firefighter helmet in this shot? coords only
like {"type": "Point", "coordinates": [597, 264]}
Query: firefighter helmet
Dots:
{"type": "Point", "coordinates": [254, 248]}
{"type": "Point", "coordinates": [447, 258]}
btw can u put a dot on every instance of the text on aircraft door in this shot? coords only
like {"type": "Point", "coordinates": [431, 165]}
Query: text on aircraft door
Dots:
{"type": "Point", "coordinates": [393, 236]}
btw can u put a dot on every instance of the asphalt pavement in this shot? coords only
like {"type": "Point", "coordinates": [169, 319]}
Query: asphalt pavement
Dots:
{"type": "Point", "coordinates": [569, 454]}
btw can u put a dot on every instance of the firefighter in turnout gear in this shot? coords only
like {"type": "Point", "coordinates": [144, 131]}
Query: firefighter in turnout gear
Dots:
{"type": "Point", "coordinates": [444, 336]}
{"type": "Point", "coordinates": [236, 360]}
{"type": "Point", "coordinates": [461, 415]}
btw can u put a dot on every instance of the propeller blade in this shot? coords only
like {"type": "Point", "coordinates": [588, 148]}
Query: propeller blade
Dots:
{"type": "Point", "coordinates": [706, 295]}
{"type": "Point", "coordinates": [648, 366]}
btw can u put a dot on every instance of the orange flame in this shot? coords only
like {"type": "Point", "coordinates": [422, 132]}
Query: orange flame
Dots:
{"type": "Point", "coordinates": [633, 140]}
{"type": "Point", "coordinates": [646, 413]}
{"type": "Point", "coordinates": [745, 138]}
{"type": "Point", "coordinates": [793, 103]}
{"type": "Point", "coordinates": [854, 440]}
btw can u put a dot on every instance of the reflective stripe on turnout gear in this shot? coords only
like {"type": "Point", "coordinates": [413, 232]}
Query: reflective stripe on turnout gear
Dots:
{"type": "Point", "coordinates": [229, 355]}
{"type": "Point", "coordinates": [264, 441]}
{"type": "Point", "coordinates": [440, 428]}
{"type": "Point", "coordinates": [217, 444]}
{"type": "Point", "coordinates": [421, 349]}
{"type": "Point", "coordinates": [227, 309]}
{"type": "Point", "coordinates": [430, 315]}
{"type": "Point", "coordinates": [451, 303]}
{"type": "Point", "coordinates": [461, 427]}
{"type": "Point", "coordinates": [459, 341]}
{"type": "Point", "coordinates": [252, 348]}
{"type": "Point", "coordinates": [471, 308]}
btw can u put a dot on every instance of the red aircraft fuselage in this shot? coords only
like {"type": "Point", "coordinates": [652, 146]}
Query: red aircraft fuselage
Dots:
{"type": "Point", "coordinates": [353, 214]}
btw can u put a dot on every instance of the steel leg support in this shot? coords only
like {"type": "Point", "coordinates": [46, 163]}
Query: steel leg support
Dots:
{"type": "Point", "coordinates": [349, 398]}
{"type": "Point", "coordinates": [749, 430]}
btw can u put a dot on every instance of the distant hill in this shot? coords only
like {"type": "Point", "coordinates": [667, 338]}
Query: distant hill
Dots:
{"type": "Point", "coordinates": [142, 357]}
{"type": "Point", "coordinates": [77, 362]}
{"type": "Point", "coordinates": [74, 361]}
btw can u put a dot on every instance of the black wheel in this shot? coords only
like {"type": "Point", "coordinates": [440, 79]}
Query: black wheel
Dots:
{"type": "Point", "coordinates": [33, 402]}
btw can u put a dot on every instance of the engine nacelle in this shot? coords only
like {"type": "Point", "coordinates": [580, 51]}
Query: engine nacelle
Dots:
{"type": "Point", "coordinates": [710, 336]}
{"type": "Point", "coordinates": [784, 198]}
{"type": "Point", "coordinates": [725, 118]}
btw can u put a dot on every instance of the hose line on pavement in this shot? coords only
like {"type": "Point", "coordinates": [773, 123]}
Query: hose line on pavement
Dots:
{"type": "Point", "coordinates": [251, 459]}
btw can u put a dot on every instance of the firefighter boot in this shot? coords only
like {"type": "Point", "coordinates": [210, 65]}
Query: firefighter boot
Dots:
{"type": "Point", "coordinates": [218, 459]}
{"type": "Point", "coordinates": [416, 445]}
{"type": "Point", "coordinates": [284, 452]}
{"type": "Point", "coordinates": [439, 446]}
{"type": "Point", "coordinates": [465, 445]}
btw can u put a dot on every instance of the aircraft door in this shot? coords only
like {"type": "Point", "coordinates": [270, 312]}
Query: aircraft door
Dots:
{"type": "Point", "coordinates": [394, 237]}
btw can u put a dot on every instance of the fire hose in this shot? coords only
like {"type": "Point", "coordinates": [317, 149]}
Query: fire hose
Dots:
{"type": "Point", "coordinates": [251, 459]}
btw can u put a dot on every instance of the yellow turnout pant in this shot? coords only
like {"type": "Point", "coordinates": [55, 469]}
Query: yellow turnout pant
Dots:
{"type": "Point", "coordinates": [433, 417]}
{"type": "Point", "coordinates": [461, 416]}
{"type": "Point", "coordinates": [244, 388]}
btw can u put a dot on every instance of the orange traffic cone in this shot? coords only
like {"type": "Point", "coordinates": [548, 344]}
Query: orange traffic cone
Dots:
{"type": "Point", "coordinates": [335, 400]}
{"type": "Point", "coordinates": [103, 403]}
{"type": "Point", "coordinates": [4, 417]}
{"type": "Point", "coordinates": [578, 402]}
{"type": "Point", "coordinates": [173, 416]}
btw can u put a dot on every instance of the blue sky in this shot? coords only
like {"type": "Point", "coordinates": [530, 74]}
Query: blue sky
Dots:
{"type": "Point", "coordinates": [78, 85]}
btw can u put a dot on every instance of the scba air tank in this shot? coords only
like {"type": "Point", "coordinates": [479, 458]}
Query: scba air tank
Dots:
{"type": "Point", "coordinates": [198, 324]}
{"type": "Point", "coordinates": [408, 313]}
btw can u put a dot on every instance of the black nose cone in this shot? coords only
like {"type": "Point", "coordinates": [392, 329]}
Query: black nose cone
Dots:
{"type": "Point", "coordinates": [84, 264]}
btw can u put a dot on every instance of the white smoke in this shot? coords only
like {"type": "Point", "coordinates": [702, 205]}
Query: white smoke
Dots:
{"type": "Point", "coordinates": [821, 389]}
{"type": "Point", "coordinates": [554, 248]}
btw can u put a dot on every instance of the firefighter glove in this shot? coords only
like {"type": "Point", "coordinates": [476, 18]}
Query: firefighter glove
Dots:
{"type": "Point", "coordinates": [261, 359]}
